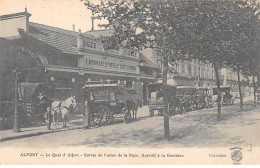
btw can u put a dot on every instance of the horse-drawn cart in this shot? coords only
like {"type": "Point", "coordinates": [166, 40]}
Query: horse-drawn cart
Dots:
{"type": "Point", "coordinates": [226, 97]}
{"type": "Point", "coordinates": [155, 95]}
{"type": "Point", "coordinates": [107, 101]}
{"type": "Point", "coordinates": [186, 96]}
{"type": "Point", "coordinates": [202, 98]}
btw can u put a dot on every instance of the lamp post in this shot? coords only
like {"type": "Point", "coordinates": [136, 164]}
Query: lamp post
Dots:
{"type": "Point", "coordinates": [16, 127]}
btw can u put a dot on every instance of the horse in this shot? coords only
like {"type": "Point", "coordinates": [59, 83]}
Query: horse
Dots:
{"type": "Point", "coordinates": [63, 108]}
{"type": "Point", "coordinates": [133, 105]}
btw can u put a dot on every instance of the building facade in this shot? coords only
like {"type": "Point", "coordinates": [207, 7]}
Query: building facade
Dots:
{"type": "Point", "coordinates": [66, 59]}
{"type": "Point", "coordinates": [199, 74]}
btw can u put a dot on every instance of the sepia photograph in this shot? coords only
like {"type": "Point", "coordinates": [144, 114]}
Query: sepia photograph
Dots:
{"type": "Point", "coordinates": [129, 82]}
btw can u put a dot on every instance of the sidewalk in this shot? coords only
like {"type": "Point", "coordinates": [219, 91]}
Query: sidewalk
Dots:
{"type": "Point", "coordinates": [74, 123]}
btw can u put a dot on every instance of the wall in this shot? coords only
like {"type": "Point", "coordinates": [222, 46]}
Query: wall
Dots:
{"type": "Point", "coordinates": [8, 27]}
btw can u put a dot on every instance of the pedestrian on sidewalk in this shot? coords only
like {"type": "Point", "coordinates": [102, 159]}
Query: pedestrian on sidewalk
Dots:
{"type": "Point", "coordinates": [48, 118]}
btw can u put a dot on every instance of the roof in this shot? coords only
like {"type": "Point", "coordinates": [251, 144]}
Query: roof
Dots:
{"type": "Point", "coordinates": [100, 33]}
{"type": "Point", "coordinates": [14, 15]}
{"type": "Point", "coordinates": [64, 40]}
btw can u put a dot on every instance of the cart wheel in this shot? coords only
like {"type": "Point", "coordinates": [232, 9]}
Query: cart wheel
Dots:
{"type": "Point", "coordinates": [107, 116]}
{"type": "Point", "coordinates": [127, 117]}
{"type": "Point", "coordinates": [96, 119]}
{"type": "Point", "coordinates": [101, 116]}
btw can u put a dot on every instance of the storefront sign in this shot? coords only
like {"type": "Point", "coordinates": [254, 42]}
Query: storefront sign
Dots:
{"type": "Point", "coordinates": [110, 65]}
{"type": "Point", "coordinates": [101, 95]}
{"type": "Point", "coordinates": [26, 51]}
{"type": "Point", "coordinates": [130, 53]}
{"type": "Point", "coordinates": [89, 44]}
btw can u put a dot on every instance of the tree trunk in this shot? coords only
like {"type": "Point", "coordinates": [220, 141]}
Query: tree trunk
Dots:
{"type": "Point", "coordinates": [254, 85]}
{"type": "Point", "coordinates": [1, 96]}
{"type": "Point", "coordinates": [218, 90]}
{"type": "Point", "coordinates": [239, 89]}
{"type": "Point", "coordinates": [165, 99]}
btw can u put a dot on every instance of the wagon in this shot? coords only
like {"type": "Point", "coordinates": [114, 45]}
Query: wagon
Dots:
{"type": "Point", "coordinates": [227, 98]}
{"type": "Point", "coordinates": [203, 98]}
{"type": "Point", "coordinates": [155, 94]}
{"type": "Point", "coordinates": [107, 101]}
{"type": "Point", "coordinates": [187, 98]}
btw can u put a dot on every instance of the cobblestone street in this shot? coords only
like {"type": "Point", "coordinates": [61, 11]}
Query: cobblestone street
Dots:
{"type": "Point", "coordinates": [194, 129]}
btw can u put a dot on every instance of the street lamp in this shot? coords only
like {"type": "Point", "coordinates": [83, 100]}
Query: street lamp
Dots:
{"type": "Point", "coordinates": [16, 127]}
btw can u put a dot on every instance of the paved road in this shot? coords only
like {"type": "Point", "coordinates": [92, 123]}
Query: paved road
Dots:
{"type": "Point", "coordinates": [195, 129]}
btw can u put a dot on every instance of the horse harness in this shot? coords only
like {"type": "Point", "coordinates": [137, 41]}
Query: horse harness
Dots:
{"type": "Point", "coordinates": [61, 107]}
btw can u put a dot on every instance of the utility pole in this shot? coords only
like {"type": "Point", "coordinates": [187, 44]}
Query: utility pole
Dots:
{"type": "Point", "coordinates": [16, 127]}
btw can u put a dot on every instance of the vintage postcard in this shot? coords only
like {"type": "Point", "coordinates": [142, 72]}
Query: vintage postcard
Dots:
{"type": "Point", "coordinates": [120, 82]}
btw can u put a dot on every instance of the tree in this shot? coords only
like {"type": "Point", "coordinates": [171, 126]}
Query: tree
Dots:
{"type": "Point", "coordinates": [222, 32]}
{"type": "Point", "coordinates": [209, 35]}
{"type": "Point", "coordinates": [178, 29]}
{"type": "Point", "coordinates": [146, 24]}
{"type": "Point", "coordinates": [245, 29]}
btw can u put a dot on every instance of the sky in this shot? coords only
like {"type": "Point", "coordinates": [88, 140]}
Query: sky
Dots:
{"type": "Point", "coordinates": [57, 13]}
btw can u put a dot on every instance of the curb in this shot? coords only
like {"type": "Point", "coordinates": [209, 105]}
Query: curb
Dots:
{"type": "Point", "coordinates": [37, 133]}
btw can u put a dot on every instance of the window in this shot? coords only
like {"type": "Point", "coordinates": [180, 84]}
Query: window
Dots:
{"type": "Point", "coordinates": [93, 62]}
{"type": "Point", "coordinates": [183, 68]}
{"type": "Point", "coordinates": [129, 84]}
{"type": "Point", "coordinates": [177, 67]}
{"type": "Point", "coordinates": [189, 70]}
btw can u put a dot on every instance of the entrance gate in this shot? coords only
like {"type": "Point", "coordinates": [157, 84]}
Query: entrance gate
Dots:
{"type": "Point", "coordinates": [31, 70]}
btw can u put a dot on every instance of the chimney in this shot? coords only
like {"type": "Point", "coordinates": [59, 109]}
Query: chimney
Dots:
{"type": "Point", "coordinates": [73, 27]}
{"type": "Point", "coordinates": [79, 40]}
{"type": "Point", "coordinates": [10, 23]}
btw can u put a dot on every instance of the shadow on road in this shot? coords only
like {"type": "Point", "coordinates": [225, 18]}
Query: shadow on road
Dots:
{"type": "Point", "coordinates": [194, 129]}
